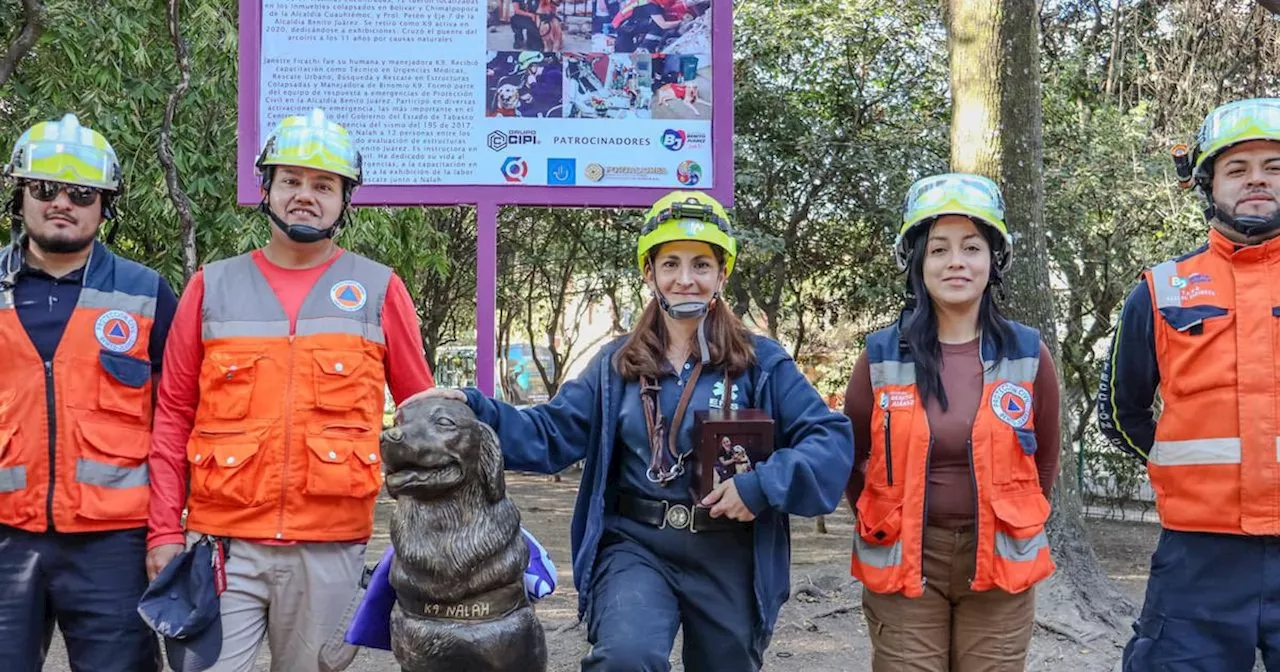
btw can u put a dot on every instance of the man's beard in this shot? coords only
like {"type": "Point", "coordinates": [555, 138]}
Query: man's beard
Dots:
{"type": "Point", "coordinates": [57, 244]}
{"type": "Point", "coordinates": [1234, 210]}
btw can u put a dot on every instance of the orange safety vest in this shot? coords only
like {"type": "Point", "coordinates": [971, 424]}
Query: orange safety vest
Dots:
{"type": "Point", "coordinates": [1012, 549]}
{"type": "Point", "coordinates": [1217, 332]}
{"type": "Point", "coordinates": [75, 432]}
{"type": "Point", "coordinates": [285, 441]}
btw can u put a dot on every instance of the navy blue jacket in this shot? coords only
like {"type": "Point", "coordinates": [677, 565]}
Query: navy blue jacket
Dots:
{"type": "Point", "coordinates": [805, 475]}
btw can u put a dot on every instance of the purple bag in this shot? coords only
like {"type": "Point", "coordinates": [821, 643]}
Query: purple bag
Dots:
{"type": "Point", "coordinates": [371, 624]}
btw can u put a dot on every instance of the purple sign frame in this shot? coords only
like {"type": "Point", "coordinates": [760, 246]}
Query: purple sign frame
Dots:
{"type": "Point", "coordinates": [489, 198]}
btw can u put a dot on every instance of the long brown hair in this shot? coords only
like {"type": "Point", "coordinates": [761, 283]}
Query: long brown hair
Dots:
{"type": "Point", "coordinates": [645, 352]}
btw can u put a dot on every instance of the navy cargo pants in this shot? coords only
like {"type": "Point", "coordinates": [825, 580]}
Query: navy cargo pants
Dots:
{"type": "Point", "coordinates": [1212, 601]}
{"type": "Point", "coordinates": [649, 581]}
{"type": "Point", "coordinates": [89, 584]}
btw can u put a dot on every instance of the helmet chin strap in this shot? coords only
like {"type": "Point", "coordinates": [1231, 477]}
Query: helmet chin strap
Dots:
{"type": "Point", "coordinates": [690, 310]}
{"type": "Point", "coordinates": [301, 233]}
{"type": "Point", "coordinates": [1248, 225]}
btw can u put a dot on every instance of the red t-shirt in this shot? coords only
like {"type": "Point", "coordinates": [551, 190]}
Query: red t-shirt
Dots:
{"type": "Point", "coordinates": [179, 391]}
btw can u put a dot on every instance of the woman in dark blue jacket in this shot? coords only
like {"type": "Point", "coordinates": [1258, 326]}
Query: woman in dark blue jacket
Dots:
{"type": "Point", "coordinates": [647, 558]}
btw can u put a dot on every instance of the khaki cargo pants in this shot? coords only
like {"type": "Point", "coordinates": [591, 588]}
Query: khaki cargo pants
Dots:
{"type": "Point", "coordinates": [950, 628]}
{"type": "Point", "coordinates": [295, 595]}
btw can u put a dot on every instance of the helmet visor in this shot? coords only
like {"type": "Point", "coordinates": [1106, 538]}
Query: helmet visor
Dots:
{"type": "Point", "coordinates": [310, 147]}
{"type": "Point", "coordinates": [1257, 119]}
{"type": "Point", "coordinates": [970, 194]}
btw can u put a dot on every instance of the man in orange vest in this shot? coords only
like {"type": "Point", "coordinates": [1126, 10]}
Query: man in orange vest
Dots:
{"type": "Point", "coordinates": [82, 331]}
{"type": "Point", "coordinates": [1204, 330]}
{"type": "Point", "coordinates": [272, 409]}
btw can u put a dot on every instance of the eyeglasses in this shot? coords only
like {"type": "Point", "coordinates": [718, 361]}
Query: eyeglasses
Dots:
{"type": "Point", "coordinates": [43, 190]}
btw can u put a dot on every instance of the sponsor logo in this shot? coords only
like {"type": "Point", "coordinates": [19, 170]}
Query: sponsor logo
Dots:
{"type": "Point", "coordinates": [674, 139]}
{"type": "Point", "coordinates": [348, 295]}
{"type": "Point", "coordinates": [116, 330]}
{"type": "Point", "coordinates": [717, 393]}
{"type": "Point", "coordinates": [562, 171]}
{"type": "Point", "coordinates": [1012, 404]}
{"type": "Point", "coordinates": [515, 169]}
{"type": "Point", "coordinates": [500, 140]}
{"type": "Point", "coordinates": [597, 140]}
{"type": "Point", "coordinates": [597, 172]}
{"type": "Point", "coordinates": [689, 173]}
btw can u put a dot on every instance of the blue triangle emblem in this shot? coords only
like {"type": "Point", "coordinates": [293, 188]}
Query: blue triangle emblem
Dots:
{"type": "Point", "coordinates": [348, 293]}
{"type": "Point", "coordinates": [1013, 406]}
{"type": "Point", "coordinates": [116, 331]}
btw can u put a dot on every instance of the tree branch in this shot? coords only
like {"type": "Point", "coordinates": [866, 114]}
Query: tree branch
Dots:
{"type": "Point", "coordinates": [26, 39]}
{"type": "Point", "coordinates": [187, 224]}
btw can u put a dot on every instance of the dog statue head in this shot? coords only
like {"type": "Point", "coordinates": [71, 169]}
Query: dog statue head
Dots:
{"type": "Point", "coordinates": [436, 446]}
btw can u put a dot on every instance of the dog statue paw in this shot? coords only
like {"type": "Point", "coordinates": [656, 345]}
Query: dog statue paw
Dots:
{"type": "Point", "coordinates": [460, 558]}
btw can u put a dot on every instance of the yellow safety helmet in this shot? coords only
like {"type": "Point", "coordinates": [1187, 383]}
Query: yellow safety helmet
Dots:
{"type": "Point", "coordinates": [64, 151]}
{"type": "Point", "coordinates": [687, 215]}
{"type": "Point", "coordinates": [973, 196]}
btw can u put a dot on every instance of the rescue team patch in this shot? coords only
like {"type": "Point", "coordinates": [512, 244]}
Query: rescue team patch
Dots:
{"type": "Point", "coordinates": [116, 330]}
{"type": "Point", "coordinates": [1012, 404]}
{"type": "Point", "coordinates": [348, 295]}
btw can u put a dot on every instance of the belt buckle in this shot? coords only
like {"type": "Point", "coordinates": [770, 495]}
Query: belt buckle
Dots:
{"type": "Point", "coordinates": [677, 516]}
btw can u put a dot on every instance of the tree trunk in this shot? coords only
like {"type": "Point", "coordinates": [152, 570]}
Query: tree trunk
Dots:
{"type": "Point", "coordinates": [24, 41]}
{"type": "Point", "coordinates": [996, 127]}
{"type": "Point", "coordinates": [186, 223]}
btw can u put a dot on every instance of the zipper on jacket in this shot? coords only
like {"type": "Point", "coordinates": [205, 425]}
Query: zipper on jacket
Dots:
{"type": "Point", "coordinates": [924, 516]}
{"type": "Point", "coordinates": [53, 439]}
{"type": "Point", "coordinates": [973, 475]}
{"type": "Point", "coordinates": [288, 427]}
{"type": "Point", "coordinates": [888, 447]}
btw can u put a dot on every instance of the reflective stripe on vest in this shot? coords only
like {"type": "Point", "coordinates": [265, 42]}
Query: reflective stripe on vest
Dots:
{"type": "Point", "coordinates": [13, 478]}
{"type": "Point", "coordinates": [240, 303]}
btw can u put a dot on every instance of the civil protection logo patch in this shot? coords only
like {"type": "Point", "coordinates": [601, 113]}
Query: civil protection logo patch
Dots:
{"type": "Point", "coordinates": [1012, 404]}
{"type": "Point", "coordinates": [116, 330]}
{"type": "Point", "coordinates": [348, 295]}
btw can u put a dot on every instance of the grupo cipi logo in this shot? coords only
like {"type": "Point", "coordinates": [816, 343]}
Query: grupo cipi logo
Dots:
{"type": "Point", "coordinates": [500, 140]}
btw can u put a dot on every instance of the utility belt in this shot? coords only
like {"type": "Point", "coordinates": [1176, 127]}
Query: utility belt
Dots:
{"type": "Point", "coordinates": [661, 513]}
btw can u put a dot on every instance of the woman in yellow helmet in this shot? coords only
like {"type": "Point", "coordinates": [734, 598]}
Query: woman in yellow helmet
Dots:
{"type": "Point", "coordinates": [650, 552]}
{"type": "Point", "coordinates": [956, 406]}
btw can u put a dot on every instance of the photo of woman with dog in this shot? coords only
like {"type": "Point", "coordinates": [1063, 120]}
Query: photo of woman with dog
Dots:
{"type": "Point", "coordinates": [956, 406]}
{"type": "Point", "coordinates": [648, 555]}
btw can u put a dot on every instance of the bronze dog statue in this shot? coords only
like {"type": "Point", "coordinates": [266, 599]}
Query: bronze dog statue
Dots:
{"type": "Point", "coordinates": [460, 559]}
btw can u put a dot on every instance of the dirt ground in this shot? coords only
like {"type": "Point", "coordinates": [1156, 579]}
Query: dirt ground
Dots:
{"type": "Point", "coordinates": [820, 629]}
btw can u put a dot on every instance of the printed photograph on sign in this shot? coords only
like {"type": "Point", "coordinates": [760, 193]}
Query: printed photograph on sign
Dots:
{"type": "Point", "coordinates": [653, 26]}
{"type": "Point", "coordinates": [681, 86]}
{"type": "Point", "coordinates": [600, 86]}
{"type": "Point", "coordinates": [538, 25]}
{"type": "Point", "coordinates": [524, 84]}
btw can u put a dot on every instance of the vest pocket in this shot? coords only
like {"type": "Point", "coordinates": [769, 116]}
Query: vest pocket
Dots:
{"type": "Point", "coordinates": [111, 471]}
{"type": "Point", "coordinates": [230, 380]}
{"type": "Point", "coordinates": [338, 386]}
{"type": "Point", "coordinates": [123, 388]}
{"type": "Point", "coordinates": [344, 461]}
{"type": "Point", "coordinates": [1019, 540]}
{"type": "Point", "coordinates": [1196, 334]}
{"type": "Point", "coordinates": [223, 468]}
{"type": "Point", "coordinates": [13, 480]}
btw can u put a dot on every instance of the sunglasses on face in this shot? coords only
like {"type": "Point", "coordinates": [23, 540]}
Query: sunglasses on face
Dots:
{"type": "Point", "coordinates": [42, 190]}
